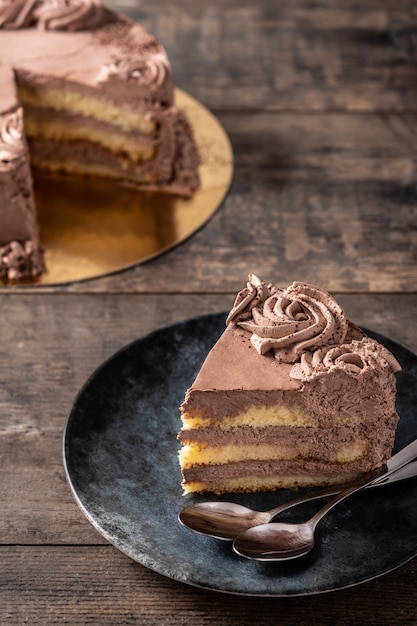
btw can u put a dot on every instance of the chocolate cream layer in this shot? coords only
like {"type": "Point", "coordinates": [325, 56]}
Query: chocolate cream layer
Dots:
{"type": "Point", "coordinates": [171, 166]}
{"type": "Point", "coordinates": [213, 475]}
{"type": "Point", "coordinates": [63, 126]}
{"type": "Point", "coordinates": [318, 440]}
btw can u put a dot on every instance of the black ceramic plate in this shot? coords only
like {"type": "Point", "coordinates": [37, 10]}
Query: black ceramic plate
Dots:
{"type": "Point", "coordinates": [120, 455]}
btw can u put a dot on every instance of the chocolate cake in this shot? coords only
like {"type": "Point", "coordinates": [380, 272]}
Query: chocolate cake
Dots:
{"type": "Point", "coordinates": [83, 90]}
{"type": "Point", "coordinates": [20, 254]}
{"type": "Point", "coordinates": [292, 395]}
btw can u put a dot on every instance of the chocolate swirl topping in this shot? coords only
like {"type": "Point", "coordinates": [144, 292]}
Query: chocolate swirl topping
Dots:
{"type": "Point", "coordinates": [70, 15]}
{"type": "Point", "coordinates": [148, 71]}
{"type": "Point", "coordinates": [11, 139]}
{"type": "Point", "coordinates": [355, 359]}
{"type": "Point", "coordinates": [289, 322]}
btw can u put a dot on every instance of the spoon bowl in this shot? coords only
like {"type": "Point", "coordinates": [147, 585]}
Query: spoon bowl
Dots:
{"type": "Point", "coordinates": [222, 520]}
{"type": "Point", "coordinates": [275, 542]}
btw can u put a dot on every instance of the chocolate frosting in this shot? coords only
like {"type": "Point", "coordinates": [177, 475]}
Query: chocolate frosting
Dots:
{"type": "Point", "coordinates": [278, 343]}
{"type": "Point", "coordinates": [151, 72]}
{"type": "Point", "coordinates": [290, 321]}
{"type": "Point", "coordinates": [11, 139]}
{"type": "Point", "coordinates": [19, 260]}
{"type": "Point", "coordinates": [67, 15]}
{"type": "Point", "coordinates": [304, 325]}
{"type": "Point", "coordinates": [355, 359]}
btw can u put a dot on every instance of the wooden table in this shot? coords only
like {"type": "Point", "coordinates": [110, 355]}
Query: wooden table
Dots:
{"type": "Point", "coordinates": [319, 100]}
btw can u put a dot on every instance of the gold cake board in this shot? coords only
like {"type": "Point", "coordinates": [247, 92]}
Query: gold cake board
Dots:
{"type": "Point", "coordinates": [93, 227]}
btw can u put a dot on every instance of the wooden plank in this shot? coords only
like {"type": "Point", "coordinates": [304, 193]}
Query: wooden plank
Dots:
{"type": "Point", "coordinates": [288, 55]}
{"type": "Point", "coordinates": [55, 342]}
{"type": "Point", "coordinates": [99, 585]}
{"type": "Point", "coordinates": [51, 344]}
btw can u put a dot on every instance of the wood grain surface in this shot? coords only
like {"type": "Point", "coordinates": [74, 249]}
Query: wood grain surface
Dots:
{"type": "Point", "coordinates": [319, 99]}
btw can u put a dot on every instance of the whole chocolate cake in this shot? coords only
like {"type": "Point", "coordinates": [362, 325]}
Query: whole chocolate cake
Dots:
{"type": "Point", "coordinates": [83, 90]}
{"type": "Point", "coordinates": [292, 395]}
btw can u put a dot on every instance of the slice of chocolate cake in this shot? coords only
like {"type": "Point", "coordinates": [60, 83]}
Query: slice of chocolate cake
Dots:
{"type": "Point", "coordinates": [292, 395]}
{"type": "Point", "coordinates": [98, 99]}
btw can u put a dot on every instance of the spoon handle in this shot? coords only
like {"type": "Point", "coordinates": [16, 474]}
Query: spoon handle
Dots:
{"type": "Point", "coordinates": [406, 454]}
{"type": "Point", "coordinates": [374, 478]}
{"type": "Point", "coordinates": [315, 495]}
{"type": "Point", "coordinates": [395, 474]}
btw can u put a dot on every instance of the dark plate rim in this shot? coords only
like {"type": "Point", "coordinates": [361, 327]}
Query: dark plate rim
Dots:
{"type": "Point", "coordinates": [221, 316]}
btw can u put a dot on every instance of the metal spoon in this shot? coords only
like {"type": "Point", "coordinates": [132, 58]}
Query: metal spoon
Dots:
{"type": "Point", "coordinates": [282, 541]}
{"type": "Point", "coordinates": [226, 520]}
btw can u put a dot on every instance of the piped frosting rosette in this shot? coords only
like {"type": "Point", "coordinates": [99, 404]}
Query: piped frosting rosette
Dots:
{"type": "Point", "coordinates": [145, 70]}
{"type": "Point", "coordinates": [288, 322]}
{"type": "Point", "coordinates": [68, 15]}
{"type": "Point", "coordinates": [11, 144]}
{"type": "Point", "coordinates": [355, 359]}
